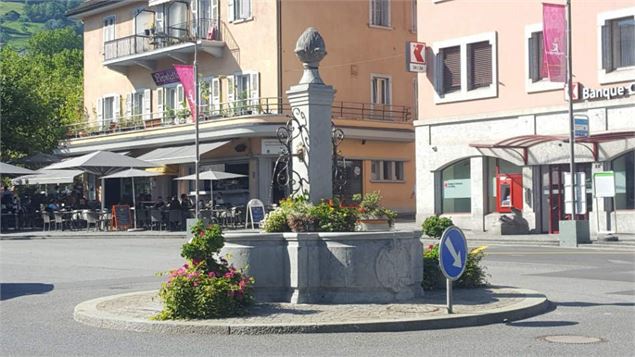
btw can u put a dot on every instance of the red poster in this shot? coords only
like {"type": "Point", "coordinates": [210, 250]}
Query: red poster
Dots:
{"type": "Point", "coordinates": [555, 41]}
{"type": "Point", "coordinates": [186, 75]}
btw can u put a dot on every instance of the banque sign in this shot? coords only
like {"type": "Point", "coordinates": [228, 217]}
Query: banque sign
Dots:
{"type": "Point", "coordinates": [608, 93]}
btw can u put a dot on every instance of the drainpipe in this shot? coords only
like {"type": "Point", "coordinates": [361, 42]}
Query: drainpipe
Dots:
{"type": "Point", "coordinates": [279, 40]}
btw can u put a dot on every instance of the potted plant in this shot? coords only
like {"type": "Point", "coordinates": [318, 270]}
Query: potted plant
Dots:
{"type": "Point", "coordinates": [372, 216]}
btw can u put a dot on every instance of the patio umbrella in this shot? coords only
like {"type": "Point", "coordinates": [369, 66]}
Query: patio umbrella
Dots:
{"type": "Point", "coordinates": [132, 173]}
{"type": "Point", "coordinates": [47, 177]}
{"type": "Point", "coordinates": [8, 169]}
{"type": "Point", "coordinates": [101, 163]}
{"type": "Point", "coordinates": [212, 176]}
{"type": "Point", "coordinates": [40, 159]}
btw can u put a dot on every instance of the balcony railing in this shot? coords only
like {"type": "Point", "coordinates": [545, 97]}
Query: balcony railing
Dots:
{"type": "Point", "coordinates": [238, 108]}
{"type": "Point", "coordinates": [176, 34]}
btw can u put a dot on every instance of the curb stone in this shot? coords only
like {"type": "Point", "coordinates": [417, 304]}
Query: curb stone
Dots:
{"type": "Point", "coordinates": [89, 313]}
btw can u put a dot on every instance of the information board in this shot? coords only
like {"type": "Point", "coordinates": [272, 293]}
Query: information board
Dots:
{"type": "Point", "coordinates": [255, 213]}
{"type": "Point", "coordinates": [604, 184]}
{"type": "Point", "coordinates": [121, 216]}
{"type": "Point", "coordinates": [580, 193]}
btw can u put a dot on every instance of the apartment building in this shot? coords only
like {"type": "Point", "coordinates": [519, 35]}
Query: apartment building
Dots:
{"type": "Point", "coordinates": [135, 103]}
{"type": "Point", "coordinates": [492, 130]}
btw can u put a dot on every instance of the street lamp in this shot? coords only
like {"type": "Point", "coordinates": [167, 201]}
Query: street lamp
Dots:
{"type": "Point", "coordinates": [195, 114]}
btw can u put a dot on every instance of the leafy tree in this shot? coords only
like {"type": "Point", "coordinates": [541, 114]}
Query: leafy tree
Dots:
{"type": "Point", "coordinates": [41, 91]}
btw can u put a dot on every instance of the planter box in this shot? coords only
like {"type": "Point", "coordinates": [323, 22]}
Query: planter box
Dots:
{"type": "Point", "coordinates": [351, 267]}
{"type": "Point", "coordinates": [372, 225]}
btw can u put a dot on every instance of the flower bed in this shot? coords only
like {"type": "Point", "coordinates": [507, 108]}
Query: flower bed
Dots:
{"type": "Point", "coordinates": [205, 287]}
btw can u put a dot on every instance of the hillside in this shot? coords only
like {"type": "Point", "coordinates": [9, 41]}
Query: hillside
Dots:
{"type": "Point", "coordinates": [20, 19]}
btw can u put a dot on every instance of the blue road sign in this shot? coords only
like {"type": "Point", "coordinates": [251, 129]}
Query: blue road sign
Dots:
{"type": "Point", "coordinates": [581, 125]}
{"type": "Point", "coordinates": [452, 253]}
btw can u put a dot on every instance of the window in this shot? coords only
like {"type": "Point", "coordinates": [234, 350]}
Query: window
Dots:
{"type": "Point", "coordinates": [616, 50]}
{"type": "Point", "coordinates": [480, 63]}
{"type": "Point", "coordinates": [624, 167]}
{"type": "Point", "coordinates": [380, 13]}
{"type": "Point", "coordinates": [465, 68]}
{"type": "Point", "coordinates": [387, 170]}
{"type": "Point", "coordinates": [109, 28]}
{"type": "Point", "coordinates": [451, 69]}
{"type": "Point", "coordinates": [246, 92]}
{"type": "Point", "coordinates": [380, 96]}
{"type": "Point", "coordinates": [137, 104]}
{"type": "Point", "coordinates": [537, 69]}
{"type": "Point", "coordinates": [239, 10]}
{"type": "Point", "coordinates": [109, 109]}
{"type": "Point", "coordinates": [456, 188]}
{"type": "Point", "coordinates": [178, 20]}
{"type": "Point", "coordinates": [173, 102]}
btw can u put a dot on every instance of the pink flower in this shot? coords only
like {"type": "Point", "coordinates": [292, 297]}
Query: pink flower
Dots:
{"type": "Point", "coordinates": [196, 261]}
{"type": "Point", "coordinates": [229, 274]}
{"type": "Point", "coordinates": [195, 283]}
{"type": "Point", "coordinates": [431, 246]}
{"type": "Point", "coordinates": [211, 274]}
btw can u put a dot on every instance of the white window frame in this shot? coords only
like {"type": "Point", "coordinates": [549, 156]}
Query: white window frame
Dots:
{"type": "Point", "coordinates": [137, 101]}
{"type": "Point", "coordinates": [620, 74]}
{"type": "Point", "coordinates": [370, 16]}
{"type": "Point", "coordinates": [464, 94]}
{"type": "Point", "coordinates": [236, 18]}
{"type": "Point", "coordinates": [114, 26]}
{"type": "Point", "coordinates": [413, 16]}
{"type": "Point", "coordinates": [393, 171]}
{"type": "Point", "coordinates": [544, 84]}
{"type": "Point", "coordinates": [374, 76]}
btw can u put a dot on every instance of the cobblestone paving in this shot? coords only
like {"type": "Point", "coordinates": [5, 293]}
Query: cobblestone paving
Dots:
{"type": "Point", "coordinates": [147, 304]}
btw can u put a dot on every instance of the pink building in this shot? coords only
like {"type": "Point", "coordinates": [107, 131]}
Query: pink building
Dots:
{"type": "Point", "coordinates": [492, 132]}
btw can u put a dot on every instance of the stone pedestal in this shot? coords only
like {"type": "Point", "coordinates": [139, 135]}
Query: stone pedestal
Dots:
{"type": "Point", "coordinates": [573, 233]}
{"type": "Point", "coordinates": [312, 148]}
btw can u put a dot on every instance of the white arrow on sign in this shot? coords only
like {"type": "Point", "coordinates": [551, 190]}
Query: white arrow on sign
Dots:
{"type": "Point", "coordinates": [457, 256]}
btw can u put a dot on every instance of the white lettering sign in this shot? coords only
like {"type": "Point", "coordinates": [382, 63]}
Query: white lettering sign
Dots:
{"type": "Point", "coordinates": [458, 188]}
{"type": "Point", "coordinates": [608, 93]}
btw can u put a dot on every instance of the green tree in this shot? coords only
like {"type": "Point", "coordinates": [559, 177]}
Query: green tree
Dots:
{"type": "Point", "coordinates": [40, 92]}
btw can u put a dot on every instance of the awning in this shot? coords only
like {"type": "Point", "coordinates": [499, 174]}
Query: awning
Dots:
{"type": "Point", "coordinates": [525, 142]}
{"type": "Point", "coordinates": [47, 177]}
{"type": "Point", "coordinates": [179, 154]}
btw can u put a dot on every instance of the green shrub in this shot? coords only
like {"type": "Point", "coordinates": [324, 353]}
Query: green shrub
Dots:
{"type": "Point", "coordinates": [205, 287]}
{"type": "Point", "coordinates": [300, 215]}
{"type": "Point", "coordinates": [370, 207]}
{"type": "Point", "coordinates": [434, 226]}
{"type": "Point", "coordinates": [474, 275]}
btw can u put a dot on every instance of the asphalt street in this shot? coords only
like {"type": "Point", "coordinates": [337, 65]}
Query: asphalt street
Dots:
{"type": "Point", "coordinates": [593, 293]}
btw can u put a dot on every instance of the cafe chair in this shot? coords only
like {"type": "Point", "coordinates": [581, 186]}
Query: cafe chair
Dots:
{"type": "Point", "coordinates": [174, 219]}
{"type": "Point", "coordinates": [91, 218]}
{"type": "Point", "coordinates": [156, 219]}
{"type": "Point", "coordinates": [46, 219]}
{"type": "Point", "coordinates": [60, 221]}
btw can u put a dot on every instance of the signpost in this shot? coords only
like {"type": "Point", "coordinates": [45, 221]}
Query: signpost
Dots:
{"type": "Point", "coordinates": [416, 56]}
{"type": "Point", "coordinates": [452, 258]}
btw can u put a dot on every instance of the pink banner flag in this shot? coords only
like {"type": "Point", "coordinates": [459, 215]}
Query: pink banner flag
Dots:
{"type": "Point", "coordinates": [555, 41]}
{"type": "Point", "coordinates": [186, 75]}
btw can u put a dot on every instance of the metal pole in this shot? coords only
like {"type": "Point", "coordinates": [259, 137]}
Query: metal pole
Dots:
{"type": "Point", "coordinates": [195, 114]}
{"type": "Point", "coordinates": [571, 123]}
{"type": "Point", "coordinates": [448, 290]}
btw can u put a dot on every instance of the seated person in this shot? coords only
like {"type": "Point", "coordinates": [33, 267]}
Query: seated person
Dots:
{"type": "Point", "coordinates": [174, 203]}
{"type": "Point", "coordinates": [185, 202]}
{"type": "Point", "coordinates": [159, 203]}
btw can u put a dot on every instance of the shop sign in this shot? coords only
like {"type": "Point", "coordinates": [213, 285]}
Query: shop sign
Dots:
{"type": "Point", "coordinates": [457, 188]}
{"type": "Point", "coordinates": [581, 126]}
{"type": "Point", "coordinates": [271, 147]}
{"type": "Point", "coordinates": [608, 93]}
{"type": "Point", "coordinates": [416, 56]}
{"type": "Point", "coordinates": [166, 76]}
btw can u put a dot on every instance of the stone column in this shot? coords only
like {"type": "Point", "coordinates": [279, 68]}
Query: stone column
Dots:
{"type": "Point", "coordinates": [479, 195]}
{"type": "Point", "coordinates": [312, 101]}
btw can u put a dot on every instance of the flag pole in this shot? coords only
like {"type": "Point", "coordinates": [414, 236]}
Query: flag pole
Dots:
{"type": "Point", "coordinates": [569, 90]}
{"type": "Point", "coordinates": [195, 114]}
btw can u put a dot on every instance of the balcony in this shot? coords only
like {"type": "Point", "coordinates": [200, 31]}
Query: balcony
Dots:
{"type": "Point", "coordinates": [262, 108]}
{"type": "Point", "coordinates": [178, 43]}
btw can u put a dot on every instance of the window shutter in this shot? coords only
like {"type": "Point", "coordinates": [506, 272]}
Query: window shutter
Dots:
{"type": "Point", "coordinates": [147, 104]}
{"type": "Point", "coordinates": [100, 111]}
{"type": "Point", "coordinates": [534, 69]}
{"type": "Point", "coordinates": [230, 11]}
{"type": "Point", "coordinates": [215, 95]}
{"type": "Point", "coordinates": [117, 108]}
{"type": "Point", "coordinates": [480, 64]}
{"type": "Point", "coordinates": [246, 9]}
{"type": "Point", "coordinates": [128, 112]}
{"type": "Point", "coordinates": [254, 90]}
{"type": "Point", "coordinates": [159, 19]}
{"type": "Point", "coordinates": [230, 89]}
{"type": "Point", "coordinates": [607, 50]}
{"type": "Point", "coordinates": [160, 101]}
{"type": "Point", "coordinates": [180, 97]}
{"type": "Point", "coordinates": [451, 58]}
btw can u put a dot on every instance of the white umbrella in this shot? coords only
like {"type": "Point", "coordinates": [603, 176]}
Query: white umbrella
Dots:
{"type": "Point", "coordinates": [211, 175]}
{"type": "Point", "coordinates": [101, 163]}
{"type": "Point", "coordinates": [8, 169]}
{"type": "Point", "coordinates": [132, 173]}
{"type": "Point", "coordinates": [46, 177]}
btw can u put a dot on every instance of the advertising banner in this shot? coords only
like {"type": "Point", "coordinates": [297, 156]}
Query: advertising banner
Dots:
{"type": "Point", "coordinates": [186, 75]}
{"type": "Point", "coordinates": [164, 77]}
{"type": "Point", "coordinates": [555, 41]}
{"type": "Point", "coordinates": [457, 188]}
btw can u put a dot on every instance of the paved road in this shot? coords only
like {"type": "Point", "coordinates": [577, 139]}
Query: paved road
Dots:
{"type": "Point", "coordinates": [43, 280]}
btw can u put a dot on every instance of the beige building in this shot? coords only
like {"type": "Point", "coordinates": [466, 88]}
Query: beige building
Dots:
{"type": "Point", "coordinates": [492, 131]}
{"type": "Point", "coordinates": [246, 63]}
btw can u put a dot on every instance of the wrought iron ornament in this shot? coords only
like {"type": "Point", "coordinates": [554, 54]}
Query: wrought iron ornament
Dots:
{"type": "Point", "coordinates": [284, 175]}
